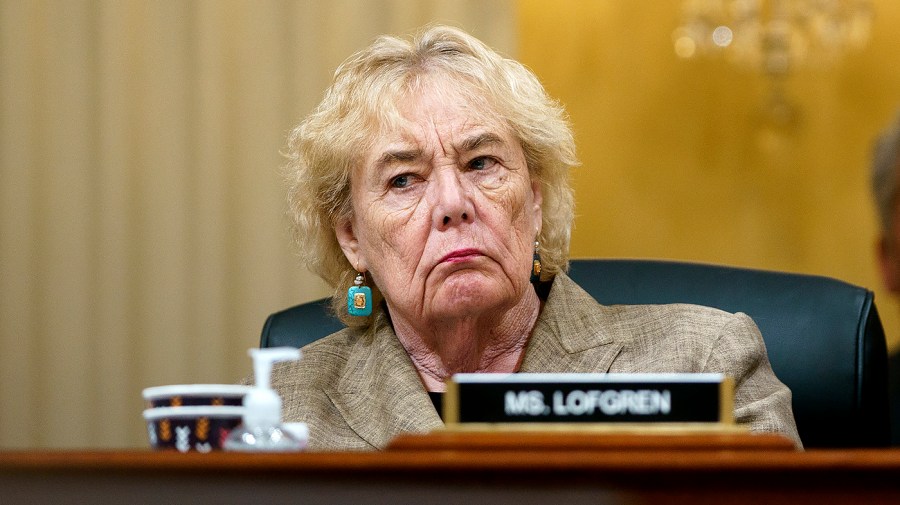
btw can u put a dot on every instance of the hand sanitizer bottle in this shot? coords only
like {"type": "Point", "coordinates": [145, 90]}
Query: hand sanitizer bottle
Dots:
{"type": "Point", "coordinates": [262, 430]}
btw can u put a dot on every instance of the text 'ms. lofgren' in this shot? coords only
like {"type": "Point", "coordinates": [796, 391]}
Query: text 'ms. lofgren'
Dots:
{"type": "Point", "coordinates": [589, 402]}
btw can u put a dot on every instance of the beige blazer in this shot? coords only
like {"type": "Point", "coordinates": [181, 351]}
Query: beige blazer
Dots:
{"type": "Point", "coordinates": [357, 390]}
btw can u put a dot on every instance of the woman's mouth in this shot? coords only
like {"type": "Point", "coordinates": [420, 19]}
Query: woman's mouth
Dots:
{"type": "Point", "coordinates": [461, 255]}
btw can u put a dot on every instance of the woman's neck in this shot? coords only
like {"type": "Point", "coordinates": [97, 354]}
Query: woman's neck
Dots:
{"type": "Point", "coordinates": [486, 342]}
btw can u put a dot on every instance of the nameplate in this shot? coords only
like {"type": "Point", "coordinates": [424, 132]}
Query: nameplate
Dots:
{"type": "Point", "coordinates": [589, 398]}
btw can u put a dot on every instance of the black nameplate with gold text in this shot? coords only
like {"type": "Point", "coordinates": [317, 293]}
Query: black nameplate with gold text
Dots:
{"type": "Point", "coordinates": [589, 398]}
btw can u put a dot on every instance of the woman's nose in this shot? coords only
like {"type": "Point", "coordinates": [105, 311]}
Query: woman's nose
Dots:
{"type": "Point", "coordinates": [452, 203]}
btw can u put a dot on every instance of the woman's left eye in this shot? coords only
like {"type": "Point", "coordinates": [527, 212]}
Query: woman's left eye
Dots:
{"type": "Point", "coordinates": [401, 181]}
{"type": "Point", "coordinates": [482, 163]}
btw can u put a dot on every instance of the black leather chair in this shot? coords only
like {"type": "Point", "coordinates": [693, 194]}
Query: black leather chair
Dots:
{"type": "Point", "coordinates": [824, 336]}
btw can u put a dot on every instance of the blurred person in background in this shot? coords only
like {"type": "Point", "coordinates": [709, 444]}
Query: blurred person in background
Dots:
{"type": "Point", "coordinates": [885, 168]}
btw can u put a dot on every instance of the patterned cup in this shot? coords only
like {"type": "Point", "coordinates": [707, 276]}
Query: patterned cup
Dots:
{"type": "Point", "coordinates": [187, 395]}
{"type": "Point", "coordinates": [195, 428]}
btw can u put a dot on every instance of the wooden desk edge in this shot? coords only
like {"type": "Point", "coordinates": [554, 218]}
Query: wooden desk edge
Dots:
{"type": "Point", "coordinates": [485, 438]}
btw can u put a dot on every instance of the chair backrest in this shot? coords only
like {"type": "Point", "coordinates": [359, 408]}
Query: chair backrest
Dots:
{"type": "Point", "coordinates": [824, 337]}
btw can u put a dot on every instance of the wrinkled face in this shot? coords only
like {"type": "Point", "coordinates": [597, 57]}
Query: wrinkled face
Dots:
{"type": "Point", "coordinates": [445, 213]}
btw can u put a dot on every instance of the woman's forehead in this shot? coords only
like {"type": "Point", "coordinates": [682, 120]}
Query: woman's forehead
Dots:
{"type": "Point", "coordinates": [443, 108]}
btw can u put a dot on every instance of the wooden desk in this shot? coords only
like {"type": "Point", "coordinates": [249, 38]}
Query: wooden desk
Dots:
{"type": "Point", "coordinates": [454, 468]}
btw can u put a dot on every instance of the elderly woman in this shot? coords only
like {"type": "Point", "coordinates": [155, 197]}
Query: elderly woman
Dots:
{"type": "Point", "coordinates": [430, 186]}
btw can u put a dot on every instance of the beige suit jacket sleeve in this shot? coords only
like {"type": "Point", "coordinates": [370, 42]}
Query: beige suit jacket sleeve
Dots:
{"type": "Point", "coordinates": [761, 400]}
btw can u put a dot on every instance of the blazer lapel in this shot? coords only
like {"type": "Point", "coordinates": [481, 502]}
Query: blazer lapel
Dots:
{"type": "Point", "coordinates": [381, 394]}
{"type": "Point", "coordinates": [572, 333]}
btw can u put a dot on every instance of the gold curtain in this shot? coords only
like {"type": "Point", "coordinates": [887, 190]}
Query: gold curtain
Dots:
{"type": "Point", "coordinates": [685, 159]}
{"type": "Point", "coordinates": [142, 237]}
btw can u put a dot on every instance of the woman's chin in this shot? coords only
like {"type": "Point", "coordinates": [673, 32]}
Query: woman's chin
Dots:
{"type": "Point", "coordinates": [470, 295]}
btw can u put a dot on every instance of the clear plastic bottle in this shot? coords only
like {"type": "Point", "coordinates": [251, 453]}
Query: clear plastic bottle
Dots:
{"type": "Point", "coordinates": [262, 429]}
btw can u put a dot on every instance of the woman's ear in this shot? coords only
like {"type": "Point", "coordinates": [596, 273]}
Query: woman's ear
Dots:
{"type": "Point", "coordinates": [343, 230]}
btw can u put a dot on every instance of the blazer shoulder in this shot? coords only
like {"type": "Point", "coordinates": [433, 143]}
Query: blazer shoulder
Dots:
{"type": "Point", "coordinates": [580, 322]}
{"type": "Point", "coordinates": [674, 317]}
{"type": "Point", "coordinates": [674, 337]}
{"type": "Point", "coordinates": [337, 345]}
{"type": "Point", "coordinates": [321, 362]}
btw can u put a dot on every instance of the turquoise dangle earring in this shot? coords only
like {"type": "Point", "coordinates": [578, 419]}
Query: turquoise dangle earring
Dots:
{"type": "Point", "coordinates": [536, 264]}
{"type": "Point", "coordinates": [359, 297]}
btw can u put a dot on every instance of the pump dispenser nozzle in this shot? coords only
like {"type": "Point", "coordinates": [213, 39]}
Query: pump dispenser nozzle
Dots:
{"type": "Point", "coordinates": [263, 359]}
{"type": "Point", "coordinates": [262, 429]}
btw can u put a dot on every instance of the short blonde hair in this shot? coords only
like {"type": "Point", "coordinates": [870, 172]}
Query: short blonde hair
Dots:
{"type": "Point", "coordinates": [362, 100]}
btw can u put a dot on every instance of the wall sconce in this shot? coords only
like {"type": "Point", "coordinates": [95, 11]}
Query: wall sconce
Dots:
{"type": "Point", "coordinates": [774, 37]}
